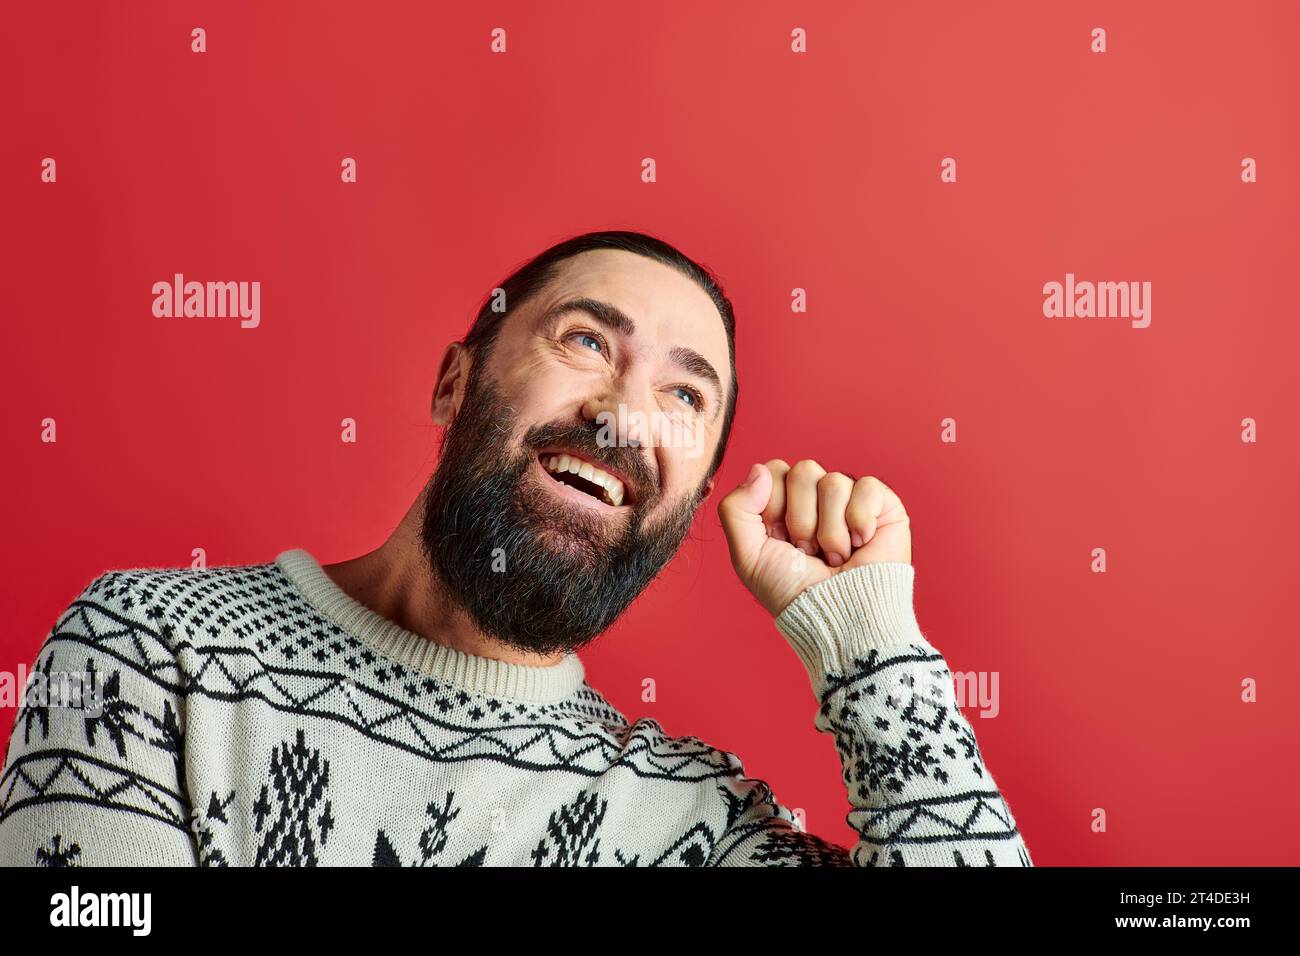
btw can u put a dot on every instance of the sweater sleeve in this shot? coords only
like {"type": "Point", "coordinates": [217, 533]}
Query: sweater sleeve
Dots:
{"type": "Point", "coordinates": [93, 772]}
{"type": "Point", "coordinates": [919, 790]}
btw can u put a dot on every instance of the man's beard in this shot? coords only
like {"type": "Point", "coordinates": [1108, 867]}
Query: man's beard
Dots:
{"type": "Point", "coordinates": [535, 573]}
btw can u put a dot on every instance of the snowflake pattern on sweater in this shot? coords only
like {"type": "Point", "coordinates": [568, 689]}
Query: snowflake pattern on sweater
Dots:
{"type": "Point", "coordinates": [257, 716]}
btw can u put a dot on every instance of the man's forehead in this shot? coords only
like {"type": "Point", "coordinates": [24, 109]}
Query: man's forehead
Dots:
{"type": "Point", "coordinates": [667, 308]}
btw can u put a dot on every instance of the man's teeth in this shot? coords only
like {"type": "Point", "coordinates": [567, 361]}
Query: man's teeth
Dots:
{"type": "Point", "coordinates": [614, 490]}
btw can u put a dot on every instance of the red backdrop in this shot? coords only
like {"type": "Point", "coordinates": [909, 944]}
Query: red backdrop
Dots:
{"type": "Point", "coordinates": [818, 171]}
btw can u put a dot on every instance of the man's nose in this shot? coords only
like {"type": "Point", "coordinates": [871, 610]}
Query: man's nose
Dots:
{"type": "Point", "coordinates": [627, 422]}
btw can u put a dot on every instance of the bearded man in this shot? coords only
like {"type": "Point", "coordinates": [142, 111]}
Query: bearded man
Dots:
{"type": "Point", "coordinates": [423, 704]}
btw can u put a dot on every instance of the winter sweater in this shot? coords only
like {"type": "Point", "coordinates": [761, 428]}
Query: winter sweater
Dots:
{"type": "Point", "coordinates": [260, 716]}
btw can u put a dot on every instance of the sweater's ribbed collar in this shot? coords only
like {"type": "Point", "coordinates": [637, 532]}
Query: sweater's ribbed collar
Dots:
{"type": "Point", "coordinates": [468, 671]}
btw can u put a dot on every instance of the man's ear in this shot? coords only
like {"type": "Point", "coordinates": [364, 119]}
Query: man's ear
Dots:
{"type": "Point", "coordinates": [709, 486]}
{"type": "Point", "coordinates": [449, 392]}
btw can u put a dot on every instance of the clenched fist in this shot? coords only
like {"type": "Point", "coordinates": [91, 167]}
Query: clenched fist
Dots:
{"type": "Point", "coordinates": [789, 528]}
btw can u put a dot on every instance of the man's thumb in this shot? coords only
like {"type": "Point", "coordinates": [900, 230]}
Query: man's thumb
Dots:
{"type": "Point", "coordinates": [742, 516]}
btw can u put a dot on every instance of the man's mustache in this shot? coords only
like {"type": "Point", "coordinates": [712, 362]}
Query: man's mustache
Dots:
{"type": "Point", "coordinates": [582, 438]}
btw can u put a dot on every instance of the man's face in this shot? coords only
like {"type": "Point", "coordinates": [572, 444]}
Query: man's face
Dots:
{"type": "Point", "coordinates": [579, 451]}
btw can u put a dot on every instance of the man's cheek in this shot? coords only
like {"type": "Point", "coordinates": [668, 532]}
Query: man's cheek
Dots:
{"type": "Point", "coordinates": [671, 519]}
{"type": "Point", "coordinates": [693, 439]}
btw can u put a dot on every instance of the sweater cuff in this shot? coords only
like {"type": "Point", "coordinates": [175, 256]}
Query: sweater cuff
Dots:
{"type": "Point", "coordinates": [850, 614]}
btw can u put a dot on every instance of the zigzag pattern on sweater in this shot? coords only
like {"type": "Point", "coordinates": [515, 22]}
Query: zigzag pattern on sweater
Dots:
{"type": "Point", "coordinates": [922, 741]}
{"type": "Point", "coordinates": [169, 642]}
{"type": "Point", "coordinates": [282, 636]}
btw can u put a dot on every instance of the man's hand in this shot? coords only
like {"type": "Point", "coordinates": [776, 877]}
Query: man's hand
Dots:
{"type": "Point", "coordinates": [790, 528]}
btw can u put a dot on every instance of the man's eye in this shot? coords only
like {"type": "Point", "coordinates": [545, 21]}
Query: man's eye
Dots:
{"type": "Point", "coordinates": [588, 341]}
{"type": "Point", "coordinates": [689, 395]}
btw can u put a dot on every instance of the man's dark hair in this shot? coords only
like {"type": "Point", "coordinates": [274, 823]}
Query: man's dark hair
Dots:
{"type": "Point", "coordinates": [532, 277]}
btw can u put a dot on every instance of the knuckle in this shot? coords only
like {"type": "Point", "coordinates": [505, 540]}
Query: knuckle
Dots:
{"type": "Point", "coordinates": [871, 485]}
{"type": "Point", "coordinates": [834, 481]}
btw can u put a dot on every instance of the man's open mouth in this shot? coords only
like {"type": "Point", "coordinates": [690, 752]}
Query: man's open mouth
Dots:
{"type": "Point", "coordinates": [585, 477]}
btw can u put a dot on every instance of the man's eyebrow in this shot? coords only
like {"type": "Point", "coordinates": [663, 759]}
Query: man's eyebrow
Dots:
{"type": "Point", "coordinates": [696, 364]}
{"type": "Point", "coordinates": [609, 315]}
{"type": "Point", "coordinates": [615, 318]}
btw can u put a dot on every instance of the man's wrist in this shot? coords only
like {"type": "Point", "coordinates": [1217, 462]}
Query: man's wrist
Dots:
{"type": "Point", "coordinates": [850, 614]}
